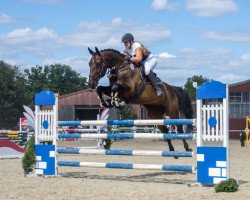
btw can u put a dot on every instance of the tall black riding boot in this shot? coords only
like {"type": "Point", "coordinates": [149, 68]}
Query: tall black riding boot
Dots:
{"type": "Point", "coordinates": [153, 81]}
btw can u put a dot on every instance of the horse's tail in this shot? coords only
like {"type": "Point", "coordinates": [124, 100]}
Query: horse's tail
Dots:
{"type": "Point", "coordinates": [185, 105]}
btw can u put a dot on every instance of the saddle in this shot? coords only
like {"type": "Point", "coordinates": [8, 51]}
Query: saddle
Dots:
{"type": "Point", "coordinates": [144, 76]}
{"type": "Point", "coordinates": [145, 81]}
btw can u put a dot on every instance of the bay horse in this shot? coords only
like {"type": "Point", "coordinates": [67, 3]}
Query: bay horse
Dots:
{"type": "Point", "coordinates": [126, 81]}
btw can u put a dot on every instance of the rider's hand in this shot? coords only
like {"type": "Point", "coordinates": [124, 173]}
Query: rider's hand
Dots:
{"type": "Point", "coordinates": [127, 58]}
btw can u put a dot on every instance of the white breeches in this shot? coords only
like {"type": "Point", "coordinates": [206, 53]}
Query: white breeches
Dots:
{"type": "Point", "coordinates": [149, 64]}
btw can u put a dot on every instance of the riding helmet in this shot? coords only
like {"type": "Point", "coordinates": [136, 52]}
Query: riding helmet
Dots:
{"type": "Point", "coordinates": [127, 36]}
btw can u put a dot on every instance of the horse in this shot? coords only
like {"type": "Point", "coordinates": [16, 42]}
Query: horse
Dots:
{"type": "Point", "coordinates": [127, 83]}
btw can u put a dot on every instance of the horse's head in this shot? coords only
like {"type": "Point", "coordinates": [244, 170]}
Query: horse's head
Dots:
{"type": "Point", "coordinates": [97, 66]}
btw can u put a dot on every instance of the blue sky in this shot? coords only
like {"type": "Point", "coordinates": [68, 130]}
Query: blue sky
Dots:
{"type": "Point", "coordinates": [189, 37]}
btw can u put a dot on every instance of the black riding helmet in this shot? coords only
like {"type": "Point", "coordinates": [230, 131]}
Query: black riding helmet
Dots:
{"type": "Point", "coordinates": [127, 36]}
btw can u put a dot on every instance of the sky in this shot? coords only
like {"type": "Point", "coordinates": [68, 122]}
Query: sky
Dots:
{"type": "Point", "coordinates": [189, 37]}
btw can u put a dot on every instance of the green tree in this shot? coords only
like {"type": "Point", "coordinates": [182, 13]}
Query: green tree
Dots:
{"type": "Point", "coordinates": [189, 88]}
{"type": "Point", "coordinates": [58, 78]}
{"type": "Point", "coordinates": [127, 113]}
{"type": "Point", "coordinates": [29, 158]}
{"type": "Point", "coordinates": [12, 95]}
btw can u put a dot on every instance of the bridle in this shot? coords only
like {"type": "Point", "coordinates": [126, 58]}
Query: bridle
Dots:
{"type": "Point", "coordinates": [104, 69]}
{"type": "Point", "coordinates": [102, 72]}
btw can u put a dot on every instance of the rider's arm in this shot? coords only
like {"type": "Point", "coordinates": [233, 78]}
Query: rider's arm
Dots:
{"type": "Point", "coordinates": [138, 55]}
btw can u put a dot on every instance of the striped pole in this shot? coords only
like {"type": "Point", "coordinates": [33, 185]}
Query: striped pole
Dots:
{"type": "Point", "coordinates": [77, 130]}
{"type": "Point", "coordinates": [128, 136]}
{"type": "Point", "coordinates": [124, 152]}
{"type": "Point", "coordinates": [128, 166]}
{"type": "Point", "coordinates": [129, 122]}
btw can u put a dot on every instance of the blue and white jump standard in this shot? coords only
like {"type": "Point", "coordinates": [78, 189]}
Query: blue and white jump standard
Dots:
{"type": "Point", "coordinates": [212, 125]}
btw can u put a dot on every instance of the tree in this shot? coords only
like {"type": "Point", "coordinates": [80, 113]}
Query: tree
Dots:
{"type": "Point", "coordinates": [189, 88]}
{"type": "Point", "coordinates": [12, 95]}
{"type": "Point", "coordinates": [58, 78]}
{"type": "Point", "coordinates": [127, 113]}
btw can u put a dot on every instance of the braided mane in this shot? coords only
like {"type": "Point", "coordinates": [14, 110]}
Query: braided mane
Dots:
{"type": "Point", "coordinates": [113, 50]}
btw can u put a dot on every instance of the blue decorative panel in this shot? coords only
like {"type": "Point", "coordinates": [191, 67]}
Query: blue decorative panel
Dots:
{"type": "Point", "coordinates": [211, 90]}
{"type": "Point", "coordinates": [45, 98]}
{"type": "Point", "coordinates": [211, 165]}
{"type": "Point", "coordinates": [45, 155]}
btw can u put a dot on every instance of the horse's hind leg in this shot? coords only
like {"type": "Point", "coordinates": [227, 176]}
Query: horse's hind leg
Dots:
{"type": "Point", "coordinates": [158, 112]}
{"type": "Point", "coordinates": [186, 146]}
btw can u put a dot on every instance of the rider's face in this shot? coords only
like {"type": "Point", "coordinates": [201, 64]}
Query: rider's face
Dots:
{"type": "Point", "coordinates": [127, 44]}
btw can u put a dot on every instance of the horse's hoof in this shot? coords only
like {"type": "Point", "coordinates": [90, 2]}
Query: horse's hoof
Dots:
{"type": "Point", "coordinates": [108, 104]}
{"type": "Point", "coordinates": [112, 101]}
{"type": "Point", "coordinates": [189, 149]}
{"type": "Point", "coordinates": [117, 104]}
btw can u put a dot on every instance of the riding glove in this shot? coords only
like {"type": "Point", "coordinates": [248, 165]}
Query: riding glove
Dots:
{"type": "Point", "coordinates": [127, 58]}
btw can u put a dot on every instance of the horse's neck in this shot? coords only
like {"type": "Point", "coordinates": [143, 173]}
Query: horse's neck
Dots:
{"type": "Point", "coordinates": [112, 59]}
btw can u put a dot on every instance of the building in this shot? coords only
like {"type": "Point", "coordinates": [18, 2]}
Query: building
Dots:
{"type": "Point", "coordinates": [84, 105]}
{"type": "Point", "coordinates": [239, 107]}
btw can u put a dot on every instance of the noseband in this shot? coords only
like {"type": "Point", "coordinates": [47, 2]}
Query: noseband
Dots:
{"type": "Point", "coordinates": [97, 76]}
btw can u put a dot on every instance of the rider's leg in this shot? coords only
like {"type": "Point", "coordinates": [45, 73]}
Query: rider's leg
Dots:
{"type": "Point", "coordinates": [149, 66]}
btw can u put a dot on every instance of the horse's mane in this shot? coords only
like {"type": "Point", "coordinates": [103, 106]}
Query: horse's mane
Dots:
{"type": "Point", "coordinates": [113, 50]}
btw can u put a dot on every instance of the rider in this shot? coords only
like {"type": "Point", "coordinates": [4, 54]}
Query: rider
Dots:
{"type": "Point", "coordinates": [137, 53]}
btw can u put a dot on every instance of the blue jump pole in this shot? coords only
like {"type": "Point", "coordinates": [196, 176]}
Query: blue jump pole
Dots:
{"type": "Point", "coordinates": [127, 166]}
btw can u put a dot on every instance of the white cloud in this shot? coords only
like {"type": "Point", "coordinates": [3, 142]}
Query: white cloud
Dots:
{"type": "Point", "coordinates": [27, 35]}
{"type": "Point", "coordinates": [86, 34]}
{"type": "Point", "coordinates": [211, 8]}
{"type": "Point", "coordinates": [217, 64]}
{"type": "Point", "coordinates": [232, 78]}
{"type": "Point", "coordinates": [5, 19]}
{"type": "Point", "coordinates": [165, 55]}
{"type": "Point", "coordinates": [245, 57]}
{"type": "Point", "coordinates": [162, 5]}
{"type": "Point", "coordinates": [38, 50]}
{"type": "Point", "coordinates": [233, 37]}
{"type": "Point", "coordinates": [109, 34]}
{"type": "Point", "coordinates": [6, 51]}
{"type": "Point", "coordinates": [78, 63]}
{"type": "Point", "coordinates": [116, 21]}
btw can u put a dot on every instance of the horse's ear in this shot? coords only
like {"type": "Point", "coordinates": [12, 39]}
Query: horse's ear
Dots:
{"type": "Point", "coordinates": [97, 51]}
{"type": "Point", "coordinates": [91, 51]}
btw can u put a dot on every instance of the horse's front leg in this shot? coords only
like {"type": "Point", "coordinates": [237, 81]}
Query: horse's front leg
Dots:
{"type": "Point", "coordinates": [100, 90]}
{"type": "Point", "coordinates": [115, 99]}
{"type": "Point", "coordinates": [116, 90]}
